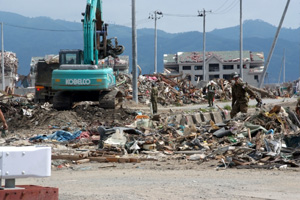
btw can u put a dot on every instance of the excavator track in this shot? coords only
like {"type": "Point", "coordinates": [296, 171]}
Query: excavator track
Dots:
{"type": "Point", "coordinates": [62, 100]}
{"type": "Point", "coordinates": [110, 99]}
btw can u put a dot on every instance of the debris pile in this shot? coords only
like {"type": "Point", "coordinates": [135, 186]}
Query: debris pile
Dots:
{"type": "Point", "coordinates": [260, 140]}
{"type": "Point", "coordinates": [265, 138]}
{"type": "Point", "coordinates": [10, 62]}
{"type": "Point", "coordinates": [175, 90]}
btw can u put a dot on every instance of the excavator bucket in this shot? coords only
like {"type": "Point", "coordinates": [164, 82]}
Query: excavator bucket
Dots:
{"type": "Point", "coordinates": [110, 99]}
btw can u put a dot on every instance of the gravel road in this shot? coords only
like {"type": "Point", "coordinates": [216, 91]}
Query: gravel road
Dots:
{"type": "Point", "coordinates": [169, 180]}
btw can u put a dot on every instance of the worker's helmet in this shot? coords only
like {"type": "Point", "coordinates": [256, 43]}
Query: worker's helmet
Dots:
{"type": "Point", "coordinates": [234, 75]}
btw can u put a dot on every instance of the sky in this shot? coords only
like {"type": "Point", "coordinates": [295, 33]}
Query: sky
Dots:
{"type": "Point", "coordinates": [178, 15]}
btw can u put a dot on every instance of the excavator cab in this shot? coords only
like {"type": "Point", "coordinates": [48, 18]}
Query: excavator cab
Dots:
{"type": "Point", "coordinates": [71, 57]}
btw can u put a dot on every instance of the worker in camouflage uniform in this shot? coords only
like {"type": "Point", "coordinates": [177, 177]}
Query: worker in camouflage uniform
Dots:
{"type": "Point", "coordinates": [239, 97]}
{"type": "Point", "coordinates": [154, 95]}
{"type": "Point", "coordinates": [298, 108]}
{"type": "Point", "coordinates": [211, 90]}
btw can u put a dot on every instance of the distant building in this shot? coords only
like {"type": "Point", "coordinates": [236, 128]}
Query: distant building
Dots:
{"type": "Point", "coordinates": [219, 64]}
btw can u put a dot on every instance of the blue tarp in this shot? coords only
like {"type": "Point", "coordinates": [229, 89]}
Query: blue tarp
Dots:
{"type": "Point", "coordinates": [60, 136]}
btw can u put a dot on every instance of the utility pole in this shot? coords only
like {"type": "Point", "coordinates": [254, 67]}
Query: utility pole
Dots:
{"type": "Point", "coordinates": [157, 15]}
{"type": "Point", "coordinates": [2, 57]}
{"type": "Point", "coordinates": [203, 14]}
{"type": "Point", "coordinates": [241, 40]}
{"type": "Point", "coordinates": [134, 55]}
{"type": "Point", "coordinates": [283, 66]}
{"type": "Point", "coordinates": [273, 45]}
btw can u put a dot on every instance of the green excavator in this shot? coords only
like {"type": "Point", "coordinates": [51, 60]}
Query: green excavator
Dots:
{"type": "Point", "coordinates": [80, 76]}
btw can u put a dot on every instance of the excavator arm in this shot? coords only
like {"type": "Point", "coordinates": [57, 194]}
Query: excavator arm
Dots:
{"type": "Point", "coordinates": [96, 44]}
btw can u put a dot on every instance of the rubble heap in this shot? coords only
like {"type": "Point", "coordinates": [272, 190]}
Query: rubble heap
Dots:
{"type": "Point", "coordinates": [264, 138]}
{"type": "Point", "coordinates": [175, 90]}
{"type": "Point", "coordinates": [10, 62]}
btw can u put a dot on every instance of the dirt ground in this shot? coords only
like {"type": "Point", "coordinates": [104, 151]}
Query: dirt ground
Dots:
{"type": "Point", "coordinates": [163, 179]}
{"type": "Point", "coordinates": [169, 180]}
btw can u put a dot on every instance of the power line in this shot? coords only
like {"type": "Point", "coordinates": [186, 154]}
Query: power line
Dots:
{"type": "Point", "coordinates": [180, 15]}
{"type": "Point", "coordinates": [228, 8]}
{"type": "Point", "coordinates": [138, 22]}
{"type": "Point", "coordinates": [216, 10]}
{"type": "Point", "coordinates": [40, 29]}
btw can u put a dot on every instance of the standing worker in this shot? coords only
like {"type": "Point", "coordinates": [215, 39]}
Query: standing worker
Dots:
{"type": "Point", "coordinates": [211, 91]}
{"type": "Point", "coordinates": [298, 108]}
{"type": "Point", "coordinates": [239, 98]}
{"type": "Point", "coordinates": [154, 95]}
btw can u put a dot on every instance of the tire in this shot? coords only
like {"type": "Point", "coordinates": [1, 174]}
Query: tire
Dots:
{"type": "Point", "coordinates": [62, 101]}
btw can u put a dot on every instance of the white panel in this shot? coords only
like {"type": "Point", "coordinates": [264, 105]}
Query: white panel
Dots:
{"type": "Point", "coordinates": [22, 162]}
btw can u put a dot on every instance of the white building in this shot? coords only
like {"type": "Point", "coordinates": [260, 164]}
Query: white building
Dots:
{"type": "Point", "coordinates": [218, 64]}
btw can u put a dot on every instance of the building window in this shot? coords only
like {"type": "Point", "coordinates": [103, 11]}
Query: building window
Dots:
{"type": "Point", "coordinates": [214, 67]}
{"type": "Point", "coordinates": [256, 77]}
{"type": "Point", "coordinates": [253, 66]}
{"type": "Point", "coordinates": [245, 67]}
{"type": "Point", "coordinates": [200, 77]}
{"type": "Point", "coordinates": [186, 68]}
{"type": "Point", "coordinates": [188, 77]}
{"type": "Point", "coordinates": [226, 67]}
{"type": "Point", "coordinates": [211, 77]}
{"type": "Point", "coordinates": [199, 67]}
{"type": "Point", "coordinates": [227, 76]}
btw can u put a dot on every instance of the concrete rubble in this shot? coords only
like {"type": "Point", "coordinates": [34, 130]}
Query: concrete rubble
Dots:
{"type": "Point", "coordinates": [264, 138]}
{"type": "Point", "coordinates": [178, 90]}
{"type": "Point", "coordinates": [11, 76]}
{"type": "Point", "coordinates": [10, 62]}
